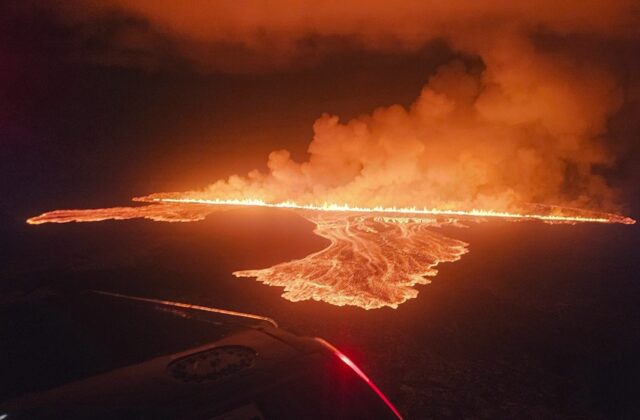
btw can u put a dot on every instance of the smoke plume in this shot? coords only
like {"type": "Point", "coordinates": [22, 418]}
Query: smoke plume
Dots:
{"type": "Point", "coordinates": [527, 128]}
{"type": "Point", "coordinates": [527, 125]}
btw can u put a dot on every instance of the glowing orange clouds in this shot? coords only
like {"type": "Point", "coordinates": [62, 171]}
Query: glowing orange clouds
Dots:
{"type": "Point", "coordinates": [257, 34]}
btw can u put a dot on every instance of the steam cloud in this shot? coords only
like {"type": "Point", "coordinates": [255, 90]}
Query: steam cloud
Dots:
{"type": "Point", "coordinates": [529, 125]}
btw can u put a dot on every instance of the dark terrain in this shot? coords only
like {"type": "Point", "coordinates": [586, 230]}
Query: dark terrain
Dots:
{"type": "Point", "coordinates": [537, 321]}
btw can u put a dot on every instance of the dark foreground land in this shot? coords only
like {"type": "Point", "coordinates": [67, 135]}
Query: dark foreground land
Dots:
{"type": "Point", "coordinates": [537, 321]}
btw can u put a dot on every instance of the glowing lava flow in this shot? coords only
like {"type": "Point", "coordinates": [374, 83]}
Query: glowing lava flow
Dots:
{"type": "Point", "coordinates": [369, 263]}
{"type": "Point", "coordinates": [375, 256]}
{"type": "Point", "coordinates": [326, 207]}
{"type": "Point", "coordinates": [155, 212]}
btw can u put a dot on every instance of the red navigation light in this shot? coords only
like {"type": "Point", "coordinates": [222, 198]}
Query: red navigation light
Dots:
{"type": "Point", "coordinates": [361, 374]}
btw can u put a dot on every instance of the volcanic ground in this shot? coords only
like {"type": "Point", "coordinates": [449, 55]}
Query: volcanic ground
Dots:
{"type": "Point", "coordinates": [536, 321]}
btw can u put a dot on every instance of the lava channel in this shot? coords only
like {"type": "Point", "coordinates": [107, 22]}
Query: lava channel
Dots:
{"type": "Point", "coordinates": [369, 262]}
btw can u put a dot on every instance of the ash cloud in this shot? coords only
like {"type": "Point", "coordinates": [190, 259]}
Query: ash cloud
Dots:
{"type": "Point", "coordinates": [530, 125]}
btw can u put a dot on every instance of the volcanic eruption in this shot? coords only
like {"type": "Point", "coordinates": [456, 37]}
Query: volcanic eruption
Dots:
{"type": "Point", "coordinates": [510, 129]}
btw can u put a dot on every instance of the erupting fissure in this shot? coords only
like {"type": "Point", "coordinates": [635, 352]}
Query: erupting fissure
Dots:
{"type": "Point", "coordinates": [601, 218]}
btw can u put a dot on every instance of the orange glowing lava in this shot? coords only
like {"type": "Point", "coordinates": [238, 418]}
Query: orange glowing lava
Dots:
{"type": "Point", "coordinates": [155, 212]}
{"type": "Point", "coordinates": [375, 258]}
{"type": "Point", "coordinates": [579, 216]}
{"type": "Point", "coordinates": [369, 262]}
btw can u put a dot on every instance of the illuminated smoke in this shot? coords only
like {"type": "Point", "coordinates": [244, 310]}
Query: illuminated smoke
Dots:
{"type": "Point", "coordinates": [254, 35]}
{"type": "Point", "coordinates": [529, 125]}
{"type": "Point", "coordinates": [525, 129]}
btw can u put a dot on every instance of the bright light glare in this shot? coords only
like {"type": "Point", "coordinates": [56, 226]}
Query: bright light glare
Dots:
{"type": "Point", "coordinates": [361, 374]}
